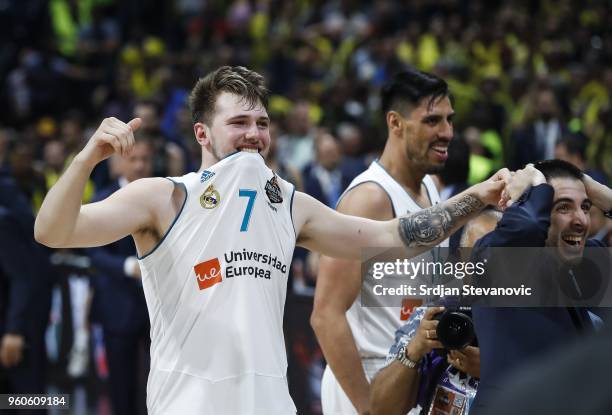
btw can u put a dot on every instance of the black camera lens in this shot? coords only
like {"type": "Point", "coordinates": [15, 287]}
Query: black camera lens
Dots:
{"type": "Point", "coordinates": [455, 329]}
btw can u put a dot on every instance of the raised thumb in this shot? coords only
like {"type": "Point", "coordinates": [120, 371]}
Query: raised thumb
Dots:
{"type": "Point", "coordinates": [135, 124]}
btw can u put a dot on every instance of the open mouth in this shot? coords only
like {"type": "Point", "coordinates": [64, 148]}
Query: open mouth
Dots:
{"type": "Point", "coordinates": [440, 150]}
{"type": "Point", "coordinates": [572, 240]}
{"type": "Point", "coordinates": [249, 149]}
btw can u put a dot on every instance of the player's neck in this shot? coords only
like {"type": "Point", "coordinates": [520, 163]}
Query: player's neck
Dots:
{"type": "Point", "coordinates": [208, 160]}
{"type": "Point", "coordinates": [402, 170]}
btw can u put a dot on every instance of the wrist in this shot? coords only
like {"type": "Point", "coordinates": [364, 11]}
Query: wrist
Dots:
{"type": "Point", "coordinates": [413, 353]}
{"type": "Point", "coordinates": [12, 338]}
{"type": "Point", "coordinates": [538, 179]}
{"type": "Point", "coordinates": [82, 162]}
{"type": "Point", "coordinates": [404, 360]}
{"type": "Point", "coordinates": [12, 331]}
{"type": "Point", "coordinates": [479, 193]}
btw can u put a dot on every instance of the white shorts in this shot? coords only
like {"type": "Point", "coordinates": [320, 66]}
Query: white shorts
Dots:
{"type": "Point", "coordinates": [333, 399]}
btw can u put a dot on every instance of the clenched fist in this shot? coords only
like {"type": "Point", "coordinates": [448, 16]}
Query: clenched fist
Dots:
{"type": "Point", "coordinates": [490, 191]}
{"type": "Point", "coordinates": [521, 180]}
{"type": "Point", "coordinates": [112, 136]}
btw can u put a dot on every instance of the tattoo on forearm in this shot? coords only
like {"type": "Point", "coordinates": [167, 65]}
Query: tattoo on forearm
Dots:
{"type": "Point", "coordinates": [465, 206]}
{"type": "Point", "coordinates": [431, 225]}
{"type": "Point", "coordinates": [424, 227]}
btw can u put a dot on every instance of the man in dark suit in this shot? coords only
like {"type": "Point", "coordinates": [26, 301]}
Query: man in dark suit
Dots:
{"type": "Point", "coordinates": [119, 302]}
{"type": "Point", "coordinates": [25, 295]}
{"type": "Point", "coordinates": [329, 175]}
{"type": "Point", "coordinates": [552, 211]}
{"type": "Point", "coordinates": [536, 140]}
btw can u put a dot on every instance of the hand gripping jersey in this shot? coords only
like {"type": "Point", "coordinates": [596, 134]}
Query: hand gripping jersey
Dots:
{"type": "Point", "coordinates": [215, 288]}
{"type": "Point", "coordinates": [373, 328]}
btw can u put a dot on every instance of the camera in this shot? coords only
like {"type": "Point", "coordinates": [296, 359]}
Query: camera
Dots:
{"type": "Point", "coordinates": [455, 329]}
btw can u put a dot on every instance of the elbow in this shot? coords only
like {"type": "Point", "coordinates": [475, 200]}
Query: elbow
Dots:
{"type": "Point", "coordinates": [316, 321]}
{"type": "Point", "coordinates": [40, 235]}
{"type": "Point", "coordinates": [320, 319]}
{"type": "Point", "coordinates": [44, 236]}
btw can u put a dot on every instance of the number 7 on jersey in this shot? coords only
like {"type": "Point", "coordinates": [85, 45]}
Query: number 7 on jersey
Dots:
{"type": "Point", "coordinates": [251, 194]}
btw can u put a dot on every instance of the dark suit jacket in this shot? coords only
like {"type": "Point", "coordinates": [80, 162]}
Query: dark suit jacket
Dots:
{"type": "Point", "coordinates": [526, 148]}
{"type": "Point", "coordinates": [25, 274]}
{"type": "Point", "coordinates": [119, 302]}
{"type": "Point", "coordinates": [349, 169]}
{"type": "Point", "coordinates": [511, 337]}
{"type": "Point", "coordinates": [26, 278]}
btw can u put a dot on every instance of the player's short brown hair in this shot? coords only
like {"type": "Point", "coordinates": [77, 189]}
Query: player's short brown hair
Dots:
{"type": "Point", "coordinates": [236, 80]}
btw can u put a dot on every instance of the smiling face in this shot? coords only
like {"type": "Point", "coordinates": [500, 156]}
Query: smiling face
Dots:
{"type": "Point", "coordinates": [234, 126]}
{"type": "Point", "coordinates": [569, 218]}
{"type": "Point", "coordinates": [427, 133]}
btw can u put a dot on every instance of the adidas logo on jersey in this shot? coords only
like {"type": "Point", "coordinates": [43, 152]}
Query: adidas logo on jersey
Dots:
{"type": "Point", "coordinates": [206, 174]}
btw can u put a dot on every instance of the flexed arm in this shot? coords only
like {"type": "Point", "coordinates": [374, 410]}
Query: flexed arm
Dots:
{"type": "Point", "coordinates": [63, 222]}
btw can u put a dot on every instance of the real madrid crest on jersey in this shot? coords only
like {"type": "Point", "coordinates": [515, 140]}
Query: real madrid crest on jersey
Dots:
{"type": "Point", "coordinates": [210, 199]}
{"type": "Point", "coordinates": [273, 190]}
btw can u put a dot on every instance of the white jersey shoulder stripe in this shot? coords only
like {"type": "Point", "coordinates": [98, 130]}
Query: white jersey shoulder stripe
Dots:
{"type": "Point", "coordinates": [291, 212]}
{"type": "Point", "coordinates": [401, 201]}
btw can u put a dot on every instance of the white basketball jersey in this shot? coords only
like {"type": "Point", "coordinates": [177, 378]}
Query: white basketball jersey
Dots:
{"type": "Point", "coordinates": [374, 327]}
{"type": "Point", "coordinates": [215, 288]}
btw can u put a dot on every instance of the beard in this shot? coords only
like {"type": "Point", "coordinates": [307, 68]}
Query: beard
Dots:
{"type": "Point", "coordinates": [426, 166]}
{"type": "Point", "coordinates": [434, 169]}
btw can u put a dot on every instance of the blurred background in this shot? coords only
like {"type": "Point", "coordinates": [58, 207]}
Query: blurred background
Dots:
{"type": "Point", "coordinates": [531, 80]}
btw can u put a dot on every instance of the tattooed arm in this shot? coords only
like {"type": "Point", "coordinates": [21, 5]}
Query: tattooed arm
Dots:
{"type": "Point", "coordinates": [431, 226]}
{"type": "Point", "coordinates": [331, 233]}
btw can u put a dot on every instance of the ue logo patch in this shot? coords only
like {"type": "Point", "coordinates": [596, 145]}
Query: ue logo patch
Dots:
{"type": "Point", "coordinates": [206, 175]}
{"type": "Point", "coordinates": [408, 306]}
{"type": "Point", "coordinates": [208, 273]}
{"type": "Point", "coordinates": [210, 199]}
{"type": "Point", "coordinates": [273, 190]}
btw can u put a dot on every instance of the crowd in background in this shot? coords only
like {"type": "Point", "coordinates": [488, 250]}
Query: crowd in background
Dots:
{"type": "Point", "coordinates": [531, 80]}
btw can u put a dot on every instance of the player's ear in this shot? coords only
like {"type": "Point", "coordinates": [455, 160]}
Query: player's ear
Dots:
{"type": "Point", "coordinates": [394, 122]}
{"type": "Point", "coordinates": [202, 133]}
